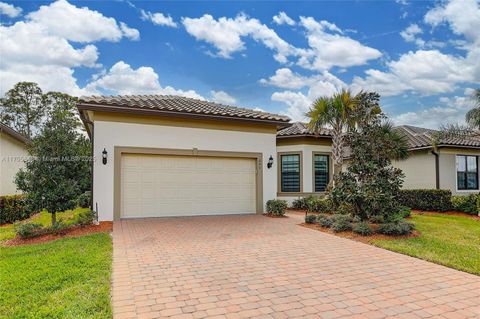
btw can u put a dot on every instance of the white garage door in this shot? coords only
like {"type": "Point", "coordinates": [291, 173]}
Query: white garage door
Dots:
{"type": "Point", "coordinates": [162, 185]}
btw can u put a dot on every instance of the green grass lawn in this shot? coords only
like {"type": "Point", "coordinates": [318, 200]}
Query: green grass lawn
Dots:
{"type": "Point", "coordinates": [66, 278]}
{"type": "Point", "coordinates": [44, 218]}
{"type": "Point", "coordinates": [453, 241]}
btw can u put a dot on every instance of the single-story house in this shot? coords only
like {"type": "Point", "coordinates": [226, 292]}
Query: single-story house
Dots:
{"type": "Point", "coordinates": [158, 156]}
{"type": "Point", "coordinates": [13, 150]}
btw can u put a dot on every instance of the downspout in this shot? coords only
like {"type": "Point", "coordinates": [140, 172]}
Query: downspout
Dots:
{"type": "Point", "coordinates": [437, 169]}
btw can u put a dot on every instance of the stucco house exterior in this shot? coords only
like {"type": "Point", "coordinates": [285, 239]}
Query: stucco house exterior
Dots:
{"type": "Point", "coordinates": [13, 148]}
{"type": "Point", "coordinates": [158, 156]}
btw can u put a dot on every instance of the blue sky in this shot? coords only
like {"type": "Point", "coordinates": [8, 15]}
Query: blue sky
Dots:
{"type": "Point", "coordinates": [422, 57]}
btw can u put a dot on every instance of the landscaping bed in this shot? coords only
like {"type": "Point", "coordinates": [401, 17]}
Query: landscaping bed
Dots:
{"type": "Point", "coordinates": [72, 231]}
{"type": "Point", "coordinates": [365, 239]}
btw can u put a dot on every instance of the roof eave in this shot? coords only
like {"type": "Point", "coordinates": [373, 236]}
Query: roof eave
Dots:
{"type": "Point", "coordinates": [14, 134]}
{"type": "Point", "coordinates": [305, 135]}
{"type": "Point", "coordinates": [128, 110]}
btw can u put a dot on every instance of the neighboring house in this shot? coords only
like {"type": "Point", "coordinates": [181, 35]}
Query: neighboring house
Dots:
{"type": "Point", "coordinates": [160, 156]}
{"type": "Point", "coordinates": [13, 149]}
{"type": "Point", "coordinates": [452, 164]}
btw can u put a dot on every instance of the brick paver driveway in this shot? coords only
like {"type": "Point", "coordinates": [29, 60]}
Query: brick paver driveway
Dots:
{"type": "Point", "coordinates": [258, 267]}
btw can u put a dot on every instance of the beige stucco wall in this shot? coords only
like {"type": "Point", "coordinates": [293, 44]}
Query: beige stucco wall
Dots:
{"type": "Point", "coordinates": [108, 134]}
{"type": "Point", "coordinates": [419, 170]}
{"type": "Point", "coordinates": [307, 167]}
{"type": "Point", "coordinates": [12, 153]}
{"type": "Point", "coordinates": [448, 169]}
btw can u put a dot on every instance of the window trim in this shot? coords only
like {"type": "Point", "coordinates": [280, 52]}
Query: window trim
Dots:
{"type": "Point", "coordinates": [466, 190]}
{"type": "Point", "coordinates": [279, 172]}
{"type": "Point", "coordinates": [330, 175]}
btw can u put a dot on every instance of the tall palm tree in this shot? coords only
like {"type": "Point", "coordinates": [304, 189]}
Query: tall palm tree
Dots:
{"type": "Point", "coordinates": [338, 113]}
{"type": "Point", "coordinates": [473, 116]}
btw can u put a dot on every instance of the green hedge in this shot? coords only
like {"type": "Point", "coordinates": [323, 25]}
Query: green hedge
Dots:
{"type": "Point", "coordinates": [13, 208]}
{"type": "Point", "coordinates": [467, 203]}
{"type": "Point", "coordinates": [426, 199]}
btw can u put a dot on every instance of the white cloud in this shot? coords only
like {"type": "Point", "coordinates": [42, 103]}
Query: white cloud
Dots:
{"type": "Point", "coordinates": [427, 72]}
{"type": "Point", "coordinates": [77, 24]}
{"type": "Point", "coordinates": [130, 33]}
{"type": "Point", "coordinates": [297, 103]}
{"type": "Point", "coordinates": [463, 17]}
{"type": "Point", "coordinates": [431, 71]}
{"type": "Point", "coordinates": [325, 84]}
{"type": "Point", "coordinates": [448, 111]}
{"type": "Point", "coordinates": [410, 34]}
{"type": "Point", "coordinates": [282, 18]}
{"type": "Point", "coordinates": [225, 34]}
{"type": "Point", "coordinates": [329, 49]}
{"type": "Point", "coordinates": [159, 18]}
{"type": "Point", "coordinates": [286, 79]}
{"type": "Point", "coordinates": [222, 97]}
{"type": "Point", "coordinates": [123, 79]}
{"type": "Point", "coordinates": [38, 49]}
{"type": "Point", "coordinates": [10, 10]}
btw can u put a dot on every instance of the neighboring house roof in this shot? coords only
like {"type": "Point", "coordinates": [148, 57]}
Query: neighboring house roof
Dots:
{"type": "Point", "coordinates": [176, 106]}
{"type": "Point", "coordinates": [16, 135]}
{"type": "Point", "coordinates": [301, 129]}
{"type": "Point", "coordinates": [418, 137]}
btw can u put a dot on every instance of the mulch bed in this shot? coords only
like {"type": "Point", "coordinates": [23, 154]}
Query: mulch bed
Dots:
{"type": "Point", "coordinates": [364, 239]}
{"type": "Point", "coordinates": [75, 231]}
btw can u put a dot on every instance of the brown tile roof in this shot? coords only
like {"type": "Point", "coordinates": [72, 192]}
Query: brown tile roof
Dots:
{"type": "Point", "coordinates": [178, 105]}
{"type": "Point", "coordinates": [301, 129]}
{"type": "Point", "coordinates": [418, 137]}
{"type": "Point", "coordinates": [16, 135]}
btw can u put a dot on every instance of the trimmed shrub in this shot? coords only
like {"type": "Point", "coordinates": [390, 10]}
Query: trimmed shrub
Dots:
{"type": "Point", "coordinates": [84, 199]}
{"type": "Point", "coordinates": [302, 202]}
{"type": "Point", "coordinates": [396, 228]}
{"type": "Point", "coordinates": [344, 209]}
{"type": "Point", "coordinates": [426, 199]}
{"type": "Point", "coordinates": [362, 228]}
{"type": "Point", "coordinates": [341, 223]}
{"type": "Point", "coordinates": [324, 220]}
{"type": "Point", "coordinates": [319, 205]}
{"type": "Point", "coordinates": [405, 212]}
{"type": "Point", "coordinates": [28, 230]}
{"type": "Point", "coordinates": [310, 219]}
{"type": "Point", "coordinates": [13, 208]}
{"type": "Point", "coordinates": [377, 219]}
{"type": "Point", "coordinates": [466, 204]}
{"type": "Point", "coordinates": [277, 207]}
{"type": "Point", "coordinates": [85, 218]}
{"type": "Point", "coordinates": [59, 228]}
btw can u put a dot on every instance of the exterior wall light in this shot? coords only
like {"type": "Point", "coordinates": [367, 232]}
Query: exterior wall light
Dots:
{"type": "Point", "coordinates": [270, 162]}
{"type": "Point", "coordinates": [104, 156]}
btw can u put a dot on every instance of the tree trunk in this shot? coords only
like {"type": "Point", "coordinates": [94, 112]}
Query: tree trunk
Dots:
{"type": "Point", "coordinates": [54, 218]}
{"type": "Point", "coordinates": [337, 152]}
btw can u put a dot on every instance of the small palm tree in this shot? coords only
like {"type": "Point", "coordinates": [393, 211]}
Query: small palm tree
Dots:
{"type": "Point", "coordinates": [473, 116]}
{"type": "Point", "coordinates": [338, 113]}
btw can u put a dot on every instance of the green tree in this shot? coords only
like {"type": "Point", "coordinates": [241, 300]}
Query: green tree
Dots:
{"type": "Point", "coordinates": [23, 108]}
{"type": "Point", "coordinates": [473, 116]}
{"type": "Point", "coordinates": [343, 112]}
{"type": "Point", "coordinates": [371, 185]}
{"type": "Point", "coordinates": [59, 169]}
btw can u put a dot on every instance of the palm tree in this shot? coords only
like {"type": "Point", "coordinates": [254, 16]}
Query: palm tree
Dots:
{"type": "Point", "coordinates": [338, 113]}
{"type": "Point", "coordinates": [473, 116]}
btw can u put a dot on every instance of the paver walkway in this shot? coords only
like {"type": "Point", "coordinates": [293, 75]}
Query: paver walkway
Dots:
{"type": "Point", "coordinates": [259, 267]}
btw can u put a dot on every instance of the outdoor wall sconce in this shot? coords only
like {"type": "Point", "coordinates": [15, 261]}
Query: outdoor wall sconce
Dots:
{"type": "Point", "coordinates": [104, 157]}
{"type": "Point", "coordinates": [270, 162]}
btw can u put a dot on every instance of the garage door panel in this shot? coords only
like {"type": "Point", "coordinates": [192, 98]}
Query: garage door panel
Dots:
{"type": "Point", "coordinates": [159, 185]}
